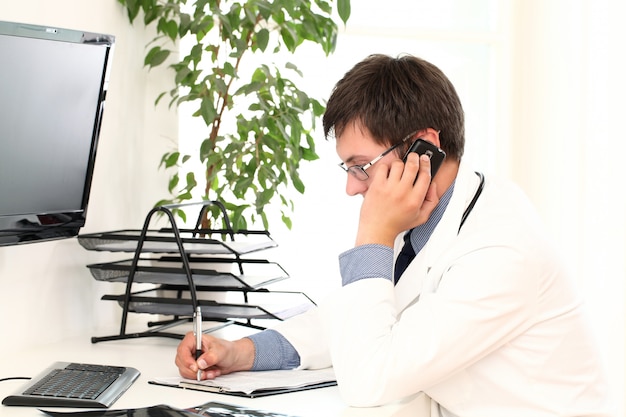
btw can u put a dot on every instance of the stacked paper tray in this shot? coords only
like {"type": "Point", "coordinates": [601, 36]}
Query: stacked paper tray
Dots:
{"type": "Point", "coordinates": [204, 274]}
{"type": "Point", "coordinates": [161, 241]}
{"type": "Point", "coordinates": [215, 310]}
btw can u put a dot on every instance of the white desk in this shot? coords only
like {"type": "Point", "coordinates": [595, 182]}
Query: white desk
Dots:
{"type": "Point", "coordinates": [154, 357]}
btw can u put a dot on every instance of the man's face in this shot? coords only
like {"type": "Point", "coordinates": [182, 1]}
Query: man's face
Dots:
{"type": "Point", "coordinates": [355, 146]}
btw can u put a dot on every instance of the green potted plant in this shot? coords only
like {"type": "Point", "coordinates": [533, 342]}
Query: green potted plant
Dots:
{"type": "Point", "coordinates": [259, 128]}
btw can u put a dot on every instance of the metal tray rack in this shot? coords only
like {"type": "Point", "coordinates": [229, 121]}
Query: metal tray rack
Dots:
{"type": "Point", "coordinates": [183, 263]}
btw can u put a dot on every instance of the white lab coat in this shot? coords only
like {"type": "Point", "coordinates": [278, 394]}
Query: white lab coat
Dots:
{"type": "Point", "coordinates": [486, 322]}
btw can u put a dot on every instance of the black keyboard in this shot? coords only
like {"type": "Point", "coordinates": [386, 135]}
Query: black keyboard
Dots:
{"type": "Point", "coordinates": [76, 385]}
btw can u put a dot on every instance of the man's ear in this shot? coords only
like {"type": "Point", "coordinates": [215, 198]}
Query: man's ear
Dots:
{"type": "Point", "coordinates": [431, 135]}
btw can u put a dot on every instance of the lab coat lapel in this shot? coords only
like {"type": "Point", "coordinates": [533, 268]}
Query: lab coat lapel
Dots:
{"type": "Point", "coordinates": [422, 275]}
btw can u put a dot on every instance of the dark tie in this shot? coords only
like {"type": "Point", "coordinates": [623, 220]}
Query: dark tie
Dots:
{"type": "Point", "coordinates": [404, 258]}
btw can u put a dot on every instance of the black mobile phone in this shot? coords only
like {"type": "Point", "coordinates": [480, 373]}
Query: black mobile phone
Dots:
{"type": "Point", "coordinates": [436, 155]}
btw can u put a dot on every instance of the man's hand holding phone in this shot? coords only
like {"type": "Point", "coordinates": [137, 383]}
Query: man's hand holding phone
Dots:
{"type": "Point", "coordinates": [434, 154]}
{"type": "Point", "coordinates": [396, 200]}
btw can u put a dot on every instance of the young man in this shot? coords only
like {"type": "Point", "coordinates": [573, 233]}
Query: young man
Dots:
{"type": "Point", "coordinates": [484, 319]}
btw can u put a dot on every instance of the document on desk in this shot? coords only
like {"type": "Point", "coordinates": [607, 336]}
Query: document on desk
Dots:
{"type": "Point", "coordinates": [257, 383]}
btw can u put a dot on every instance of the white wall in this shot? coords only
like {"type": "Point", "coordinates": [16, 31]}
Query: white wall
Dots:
{"type": "Point", "coordinates": [567, 147]}
{"type": "Point", "coordinates": [46, 292]}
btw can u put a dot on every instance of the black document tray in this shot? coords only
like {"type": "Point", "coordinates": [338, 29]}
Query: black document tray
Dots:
{"type": "Point", "coordinates": [162, 241]}
{"type": "Point", "coordinates": [169, 272]}
{"type": "Point", "coordinates": [218, 311]}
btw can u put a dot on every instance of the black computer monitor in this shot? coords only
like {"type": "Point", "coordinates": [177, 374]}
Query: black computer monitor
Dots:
{"type": "Point", "coordinates": [53, 84]}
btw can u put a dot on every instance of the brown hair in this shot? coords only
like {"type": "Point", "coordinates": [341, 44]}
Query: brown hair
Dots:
{"type": "Point", "coordinates": [392, 97]}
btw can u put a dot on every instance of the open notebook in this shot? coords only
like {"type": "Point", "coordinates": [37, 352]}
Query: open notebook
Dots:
{"type": "Point", "coordinates": [257, 383]}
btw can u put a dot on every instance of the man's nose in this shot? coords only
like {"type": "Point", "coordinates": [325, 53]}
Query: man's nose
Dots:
{"type": "Point", "coordinates": [355, 186]}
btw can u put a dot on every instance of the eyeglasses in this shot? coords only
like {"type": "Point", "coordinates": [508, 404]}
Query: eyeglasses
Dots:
{"type": "Point", "coordinates": [358, 171]}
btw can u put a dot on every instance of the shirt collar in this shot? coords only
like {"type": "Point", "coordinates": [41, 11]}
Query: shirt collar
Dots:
{"type": "Point", "coordinates": [421, 233]}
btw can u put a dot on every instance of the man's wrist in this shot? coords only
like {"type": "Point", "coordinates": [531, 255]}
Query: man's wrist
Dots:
{"type": "Point", "coordinates": [245, 352]}
{"type": "Point", "coordinates": [370, 237]}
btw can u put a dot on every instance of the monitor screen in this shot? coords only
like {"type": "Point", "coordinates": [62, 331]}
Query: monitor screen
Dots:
{"type": "Point", "coordinates": [53, 85]}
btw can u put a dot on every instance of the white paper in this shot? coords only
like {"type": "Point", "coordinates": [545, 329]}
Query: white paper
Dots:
{"type": "Point", "coordinates": [251, 381]}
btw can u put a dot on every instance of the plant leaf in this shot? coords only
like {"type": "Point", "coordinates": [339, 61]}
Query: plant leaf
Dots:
{"type": "Point", "coordinates": [262, 38]}
{"type": "Point", "coordinates": [156, 56]}
{"type": "Point", "coordinates": [344, 10]}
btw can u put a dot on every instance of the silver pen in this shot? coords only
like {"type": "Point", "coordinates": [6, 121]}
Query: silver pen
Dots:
{"type": "Point", "coordinates": [197, 329]}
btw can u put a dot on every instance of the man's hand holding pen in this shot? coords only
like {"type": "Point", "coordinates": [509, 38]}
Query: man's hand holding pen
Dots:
{"type": "Point", "coordinates": [216, 356]}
